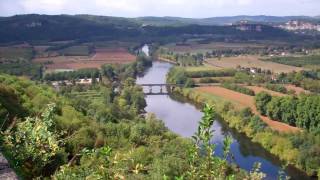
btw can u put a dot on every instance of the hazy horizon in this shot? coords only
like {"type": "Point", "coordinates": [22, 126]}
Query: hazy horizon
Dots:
{"type": "Point", "coordinates": [158, 16]}
{"type": "Point", "coordinates": [165, 8]}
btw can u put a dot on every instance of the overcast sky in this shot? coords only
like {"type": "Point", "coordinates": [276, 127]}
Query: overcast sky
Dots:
{"type": "Point", "coordinates": [180, 8]}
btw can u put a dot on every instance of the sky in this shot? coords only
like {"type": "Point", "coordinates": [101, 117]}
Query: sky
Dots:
{"type": "Point", "coordinates": [177, 8]}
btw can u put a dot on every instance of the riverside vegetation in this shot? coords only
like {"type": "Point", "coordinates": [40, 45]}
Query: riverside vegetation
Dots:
{"type": "Point", "coordinates": [300, 149]}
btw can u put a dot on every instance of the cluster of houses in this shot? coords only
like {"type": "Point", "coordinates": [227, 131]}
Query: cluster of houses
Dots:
{"type": "Point", "coordinates": [246, 26]}
{"type": "Point", "coordinates": [86, 81]}
{"type": "Point", "coordinates": [300, 25]}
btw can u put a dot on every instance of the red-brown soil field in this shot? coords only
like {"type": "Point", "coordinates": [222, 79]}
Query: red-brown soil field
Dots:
{"type": "Point", "coordinates": [102, 56]}
{"type": "Point", "coordinates": [298, 90]}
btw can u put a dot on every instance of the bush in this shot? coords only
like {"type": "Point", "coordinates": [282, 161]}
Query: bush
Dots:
{"type": "Point", "coordinates": [211, 73]}
{"type": "Point", "coordinates": [178, 76]}
{"type": "Point", "coordinates": [208, 80]}
{"type": "Point", "coordinates": [239, 89]}
{"type": "Point", "coordinates": [257, 124]}
{"type": "Point", "coordinates": [261, 101]}
{"type": "Point", "coordinates": [277, 88]}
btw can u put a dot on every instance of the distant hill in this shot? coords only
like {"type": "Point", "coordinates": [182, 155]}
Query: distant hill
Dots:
{"type": "Point", "coordinates": [63, 27]}
{"type": "Point", "coordinates": [160, 21]}
{"type": "Point", "coordinates": [44, 28]}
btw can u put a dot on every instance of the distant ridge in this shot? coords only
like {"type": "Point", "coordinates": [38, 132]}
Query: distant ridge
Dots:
{"type": "Point", "coordinates": [222, 20]}
{"type": "Point", "coordinates": [178, 21]}
{"type": "Point", "coordinates": [43, 28]}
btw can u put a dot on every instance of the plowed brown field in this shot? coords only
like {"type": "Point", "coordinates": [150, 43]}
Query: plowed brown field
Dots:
{"type": "Point", "coordinates": [247, 101]}
{"type": "Point", "coordinates": [101, 57]}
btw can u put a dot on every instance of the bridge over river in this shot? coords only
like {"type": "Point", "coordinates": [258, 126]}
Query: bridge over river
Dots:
{"type": "Point", "coordinates": [166, 88]}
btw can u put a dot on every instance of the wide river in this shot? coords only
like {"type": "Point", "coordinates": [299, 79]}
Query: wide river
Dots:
{"type": "Point", "coordinates": [182, 118]}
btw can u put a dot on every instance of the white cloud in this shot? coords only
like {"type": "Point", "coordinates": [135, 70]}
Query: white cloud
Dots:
{"type": "Point", "coordinates": [49, 5]}
{"type": "Point", "coordinates": [119, 5]}
{"type": "Point", "coordinates": [244, 2]}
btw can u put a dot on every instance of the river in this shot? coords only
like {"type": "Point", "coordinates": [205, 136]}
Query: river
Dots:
{"type": "Point", "coordinates": [182, 118]}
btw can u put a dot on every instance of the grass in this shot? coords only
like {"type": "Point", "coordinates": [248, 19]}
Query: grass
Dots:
{"type": "Point", "coordinates": [250, 61]}
{"type": "Point", "coordinates": [112, 44]}
{"type": "Point", "coordinates": [92, 94]}
{"type": "Point", "coordinates": [200, 68]}
{"type": "Point", "coordinates": [301, 61]}
{"type": "Point", "coordinates": [76, 51]}
{"type": "Point", "coordinates": [214, 98]}
{"type": "Point", "coordinates": [14, 53]}
{"type": "Point", "coordinates": [195, 47]}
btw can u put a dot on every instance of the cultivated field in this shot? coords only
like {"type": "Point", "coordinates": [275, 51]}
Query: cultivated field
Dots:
{"type": "Point", "coordinates": [195, 47]}
{"type": "Point", "coordinates": [76, 51]}
{"type": "Point", "coordinates": [250, 62]}
{"type": "Point", "coordinates": [246, 101]}
{"type": "Point", "coordinates": [298, 90]}
{"type": "Point", "coordinates": [219, 79]}
{"type": "Point", "coordinates": [102, 56]}
{"type": "Point", "coordinates": [201, 68]}
{"type": "Point", "coordinates": [15, 53]}
{"type": "Point", "coordinates": [258, 89]}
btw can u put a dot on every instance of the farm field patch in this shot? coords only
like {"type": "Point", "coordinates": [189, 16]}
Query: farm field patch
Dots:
{"type": "Point", "coordinates": [102, 56]}
{"type": "Point", "coordinates": [246, 101]}
{"type": "Point", "coordinates": [220, 79]}
{"type": "Point", "coordinates": [202, 48]}
{"type": "Point", "coordinates": [299, 61]}
{"type": "Point", "coordinates": [201, 68]}
{"type": "Point", "coordinates": [15, 53]}
{"type": "Point", "coordinates": [298, 90]}
{"type": "Point", "coordinates": [251, 62]}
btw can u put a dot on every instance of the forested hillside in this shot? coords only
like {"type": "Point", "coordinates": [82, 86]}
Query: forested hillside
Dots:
{"type": "Point", "coordinates": [43, 28]}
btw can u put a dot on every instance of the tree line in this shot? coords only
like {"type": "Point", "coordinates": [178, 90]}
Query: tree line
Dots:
{"type": "Point", "coordinates": [238, 88]}
{"type": "Point", "coordinates": [302, 111]}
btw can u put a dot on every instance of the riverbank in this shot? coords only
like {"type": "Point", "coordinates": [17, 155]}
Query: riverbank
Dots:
{"type": "Point", "coordinates": [276, 143]}
{"type": "Point", "coordinates": [245, 100]}
{"type": "Point", "coordinates": [166, 60]}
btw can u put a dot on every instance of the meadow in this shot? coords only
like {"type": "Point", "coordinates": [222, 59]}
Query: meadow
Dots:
{"type": "Point", "coordinates": [251, 62]}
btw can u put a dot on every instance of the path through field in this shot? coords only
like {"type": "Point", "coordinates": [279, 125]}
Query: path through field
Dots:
{"type": "Point", "coordinates": [247, 101]}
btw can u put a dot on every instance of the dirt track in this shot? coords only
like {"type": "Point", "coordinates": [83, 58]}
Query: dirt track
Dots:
{"type": "Point", "coordinates": [247, 101]}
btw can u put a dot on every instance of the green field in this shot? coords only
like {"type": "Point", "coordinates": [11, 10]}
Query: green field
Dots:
{"type": "Point", "coordinates": [16, 53]}
{"type": "Point", "coordinates": [209, 97]}
{"type": "Point", "coordinates": [92, 94]}
{"type": "Point", "coordinates": [200, 68]}
{"type": "Point", "coordinates": [303, 61]}
{"type": "Point", "coordinates": [76, 51]}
